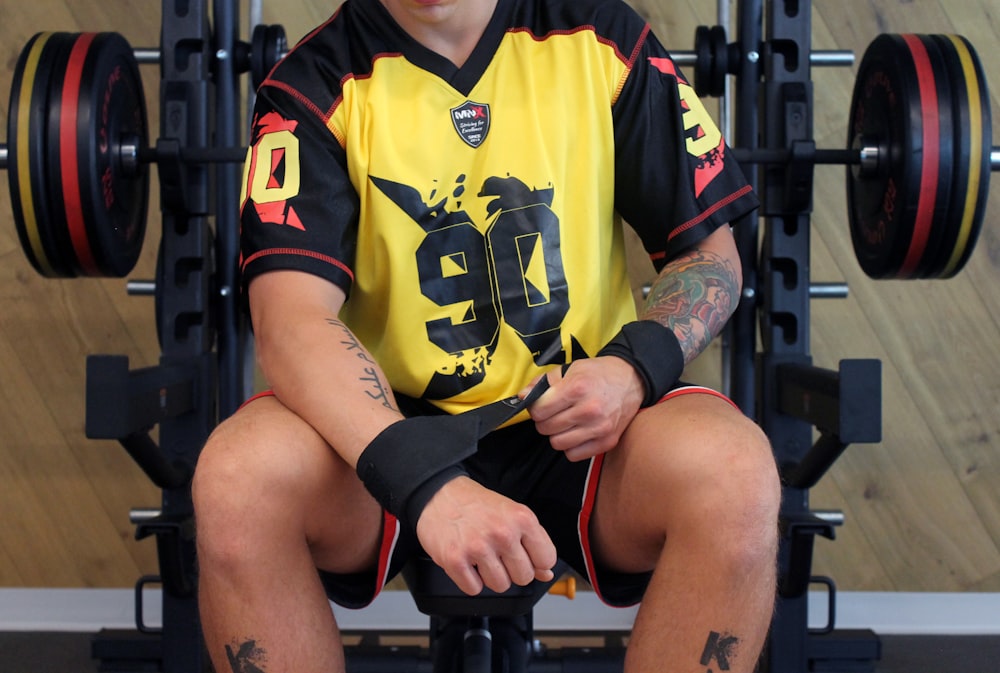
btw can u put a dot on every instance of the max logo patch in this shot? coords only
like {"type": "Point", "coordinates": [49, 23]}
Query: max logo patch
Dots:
{"type": "Point", "coordinates": [472, 122]}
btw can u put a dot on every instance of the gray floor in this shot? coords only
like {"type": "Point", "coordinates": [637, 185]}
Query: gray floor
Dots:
{"type": "Point", "coordinates": [71, 653]}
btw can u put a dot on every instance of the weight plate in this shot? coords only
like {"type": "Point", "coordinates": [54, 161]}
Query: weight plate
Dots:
{"type": "Point", "coordinates": [930, 159]}
{"type": "Point", "coordinates": [68, 162]}
{"type": "Point", "coordinates": [980, 142]}
{"type": "Point", "coordinates": [948, 227]}
{"type": "Point", "coordinates": [110, 110]}
{"type": "Point", "coordinates": [57, 230]}
{"type": "Point", "coordinates": [26, 149]}
{"type": "Point", "coordinates": [886, 111]}
{"type": "Point", "coordinates": [929, 56]}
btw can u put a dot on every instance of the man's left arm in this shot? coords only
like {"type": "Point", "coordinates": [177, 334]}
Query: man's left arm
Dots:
{"type": "Point", "coordinates": [586, 411]}
{"type": "Point", "coordinates": [696, 293]}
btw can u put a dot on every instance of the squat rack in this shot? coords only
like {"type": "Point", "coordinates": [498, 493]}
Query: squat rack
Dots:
{"type": "Point", "coordinates": [203, 371]}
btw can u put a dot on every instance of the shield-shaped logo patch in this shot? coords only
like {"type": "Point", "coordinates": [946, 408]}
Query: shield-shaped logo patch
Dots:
{"type": "Point", "coordinates": [472, 122]}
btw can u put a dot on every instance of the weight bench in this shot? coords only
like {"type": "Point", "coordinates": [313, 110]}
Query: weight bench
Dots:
{"type": "Point", "coordinates": [488, 633]}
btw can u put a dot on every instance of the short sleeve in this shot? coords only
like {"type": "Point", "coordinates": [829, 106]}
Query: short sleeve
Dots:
{"type": "Point", "coordinates": [675, 181]}
{"type": "Point", "coordinates": [299, 208]}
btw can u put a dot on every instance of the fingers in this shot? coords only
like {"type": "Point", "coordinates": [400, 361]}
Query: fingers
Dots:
{"type": "Point", "coordinates": [481, 538]}
{"type": "Point", "coordinates": [531, 557]}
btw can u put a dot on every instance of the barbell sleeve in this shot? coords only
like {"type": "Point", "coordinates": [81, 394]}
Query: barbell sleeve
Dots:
{"type": "Point", "coordinates": [821, 58]}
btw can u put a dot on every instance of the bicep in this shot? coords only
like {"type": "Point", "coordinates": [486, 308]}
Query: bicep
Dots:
{"type": "Point", "coordinates": [282, 296]}
{"type": "Point", "coordinates": [722, 244]}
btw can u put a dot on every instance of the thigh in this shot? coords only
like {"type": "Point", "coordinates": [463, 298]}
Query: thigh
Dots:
{"type": "Point", "coordinates": [694, 459]}
{"type": "Point", "coordinates": [266, 469]}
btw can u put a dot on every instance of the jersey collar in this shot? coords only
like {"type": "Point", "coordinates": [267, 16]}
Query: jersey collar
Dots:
{"type": "Point", "coordinates": [462, 79]}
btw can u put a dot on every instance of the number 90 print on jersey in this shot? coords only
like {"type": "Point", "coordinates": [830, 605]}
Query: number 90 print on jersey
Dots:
{"type": "Point", "coordinates": [512, 274]}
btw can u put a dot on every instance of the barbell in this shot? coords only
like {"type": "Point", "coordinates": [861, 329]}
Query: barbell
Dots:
{"type": "Point", "coordinates": [919, 154]}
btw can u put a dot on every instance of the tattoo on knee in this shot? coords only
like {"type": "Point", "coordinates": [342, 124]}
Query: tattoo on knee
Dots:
{"type": "Point", "coordinates": [721, 648]}
{"type": "Point", "coordinates": [246, 657]}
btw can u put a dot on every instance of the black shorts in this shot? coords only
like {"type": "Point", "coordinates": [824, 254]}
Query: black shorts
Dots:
{"type": "Point", "coordinates": [518, 462]}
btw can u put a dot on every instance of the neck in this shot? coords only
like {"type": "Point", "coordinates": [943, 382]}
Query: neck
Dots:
{"type": "Point", "coordinates": [451, 28]}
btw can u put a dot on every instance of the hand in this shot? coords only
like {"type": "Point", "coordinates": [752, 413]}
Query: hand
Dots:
{"type": "Point", "coordinates": [480, 537]}
{"type": "Point", "coordinates": [585, 411]}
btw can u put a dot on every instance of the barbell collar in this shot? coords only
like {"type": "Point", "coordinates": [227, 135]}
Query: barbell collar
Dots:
{"type": "Point", "coordinates": [3, 156]}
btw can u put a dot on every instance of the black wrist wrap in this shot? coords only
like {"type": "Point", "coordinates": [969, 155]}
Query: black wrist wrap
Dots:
{"type": "Point", "coordinates": [655, 353]}
{"type": "Point", "coordinates": [409, 461]}
{"type": "Point", "coordinates": [406, 464]}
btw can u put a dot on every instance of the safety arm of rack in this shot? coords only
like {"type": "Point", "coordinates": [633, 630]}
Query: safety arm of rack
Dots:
{"type": "Point", "coordinates": [123, 403]}
{"type": "Point", "coordinates": [845, 406]}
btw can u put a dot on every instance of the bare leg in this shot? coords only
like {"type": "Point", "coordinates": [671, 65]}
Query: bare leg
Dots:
{"type": "Point", "coordinates": [692, 492]}
{"type": "Point", "coordinates": [273, 502]}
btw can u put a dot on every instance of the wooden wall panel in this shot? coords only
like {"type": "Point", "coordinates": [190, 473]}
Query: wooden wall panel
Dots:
{"type": "Point", "coordinates": [922, 507]}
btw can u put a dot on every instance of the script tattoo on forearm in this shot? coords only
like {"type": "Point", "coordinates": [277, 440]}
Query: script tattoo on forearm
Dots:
{"type": "Point", "coordinates": [694, 296]}
{"type": "Point", "coordinates": [246, 657]}
{"type": "Point", "coordinates": [376, 389]}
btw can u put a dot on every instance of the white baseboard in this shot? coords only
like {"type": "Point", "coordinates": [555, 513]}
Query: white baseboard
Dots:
{"type": "Point", "coordinates": [90, 610]}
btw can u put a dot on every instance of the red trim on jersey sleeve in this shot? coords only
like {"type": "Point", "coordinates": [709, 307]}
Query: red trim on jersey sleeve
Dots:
{"type": "Point", "coordinates": [704, 215]}
{"type": "Point", "coordinates": [297, 95]}
{"type": "Point", "coordinates": [301, 252]}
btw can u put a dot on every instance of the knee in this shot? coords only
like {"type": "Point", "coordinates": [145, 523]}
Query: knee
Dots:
{"type": "Point", "coordinates": [743, 497]}
{"type": "Point", "coordinates": [755, 497]}
{"type": "Point", "coordinates": [223, 492]}
{"type": "Point", "coordinates": [722, 490]}
{"type": "Point", "coordinates": [244, 490]}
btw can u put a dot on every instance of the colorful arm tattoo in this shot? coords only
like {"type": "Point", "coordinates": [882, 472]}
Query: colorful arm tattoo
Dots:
{"type": "Point", "coordinates": [694, 295]}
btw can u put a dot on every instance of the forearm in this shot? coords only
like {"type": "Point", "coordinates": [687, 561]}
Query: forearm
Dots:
{"type": "Point", "coordinates": [318, 368]}
{"type": "Point", "coordinates": [694, 295]}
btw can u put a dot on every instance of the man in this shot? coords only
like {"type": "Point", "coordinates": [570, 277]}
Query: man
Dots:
{"type": "Point", "coordinates": [429, 226]}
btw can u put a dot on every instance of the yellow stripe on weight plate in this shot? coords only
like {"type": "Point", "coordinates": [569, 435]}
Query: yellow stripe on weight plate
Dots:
{"type": "Point", "coordinates": [22, 158]}
{"type": "Point", "coordinates": [973, 86]}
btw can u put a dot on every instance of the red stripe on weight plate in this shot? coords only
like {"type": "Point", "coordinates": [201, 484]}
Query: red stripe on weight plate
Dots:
{"type": "Point", "coordinates": [931, 156]}
{"type": "Point", "coordinates": [69, 157]}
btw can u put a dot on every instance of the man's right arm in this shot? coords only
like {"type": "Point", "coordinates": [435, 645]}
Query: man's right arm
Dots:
{"type": "Point", "coordinates": [315, 364]}
{"type": "Point", "coordinates": [320, 371]}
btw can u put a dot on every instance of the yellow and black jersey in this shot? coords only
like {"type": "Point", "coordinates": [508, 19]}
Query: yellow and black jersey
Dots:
{"type": "Point", "coordinates": [471, 213]}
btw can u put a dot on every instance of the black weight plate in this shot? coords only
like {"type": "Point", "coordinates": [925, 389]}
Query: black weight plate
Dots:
{"type": "Point", "coordinates": [950, 226]}
{"type": "Point", "coordinates": [925, 200]}
{"type": "Point", "coordinates": [933, 59]}
{"type": "Point", "coordinates": [27, 179]}
{"type": "Point", "coordinates": [268, 45]}
{"type": "Point", "coordinates": [886, 109]}
{"type": "Point", "coordinates": [69, 162]}
{"type": "Point", "coordinates": [111, 107]}
{"type": "Point", "coordinates": [58, 230]}
{"type": "Point", "coordinates": [981, 146]}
